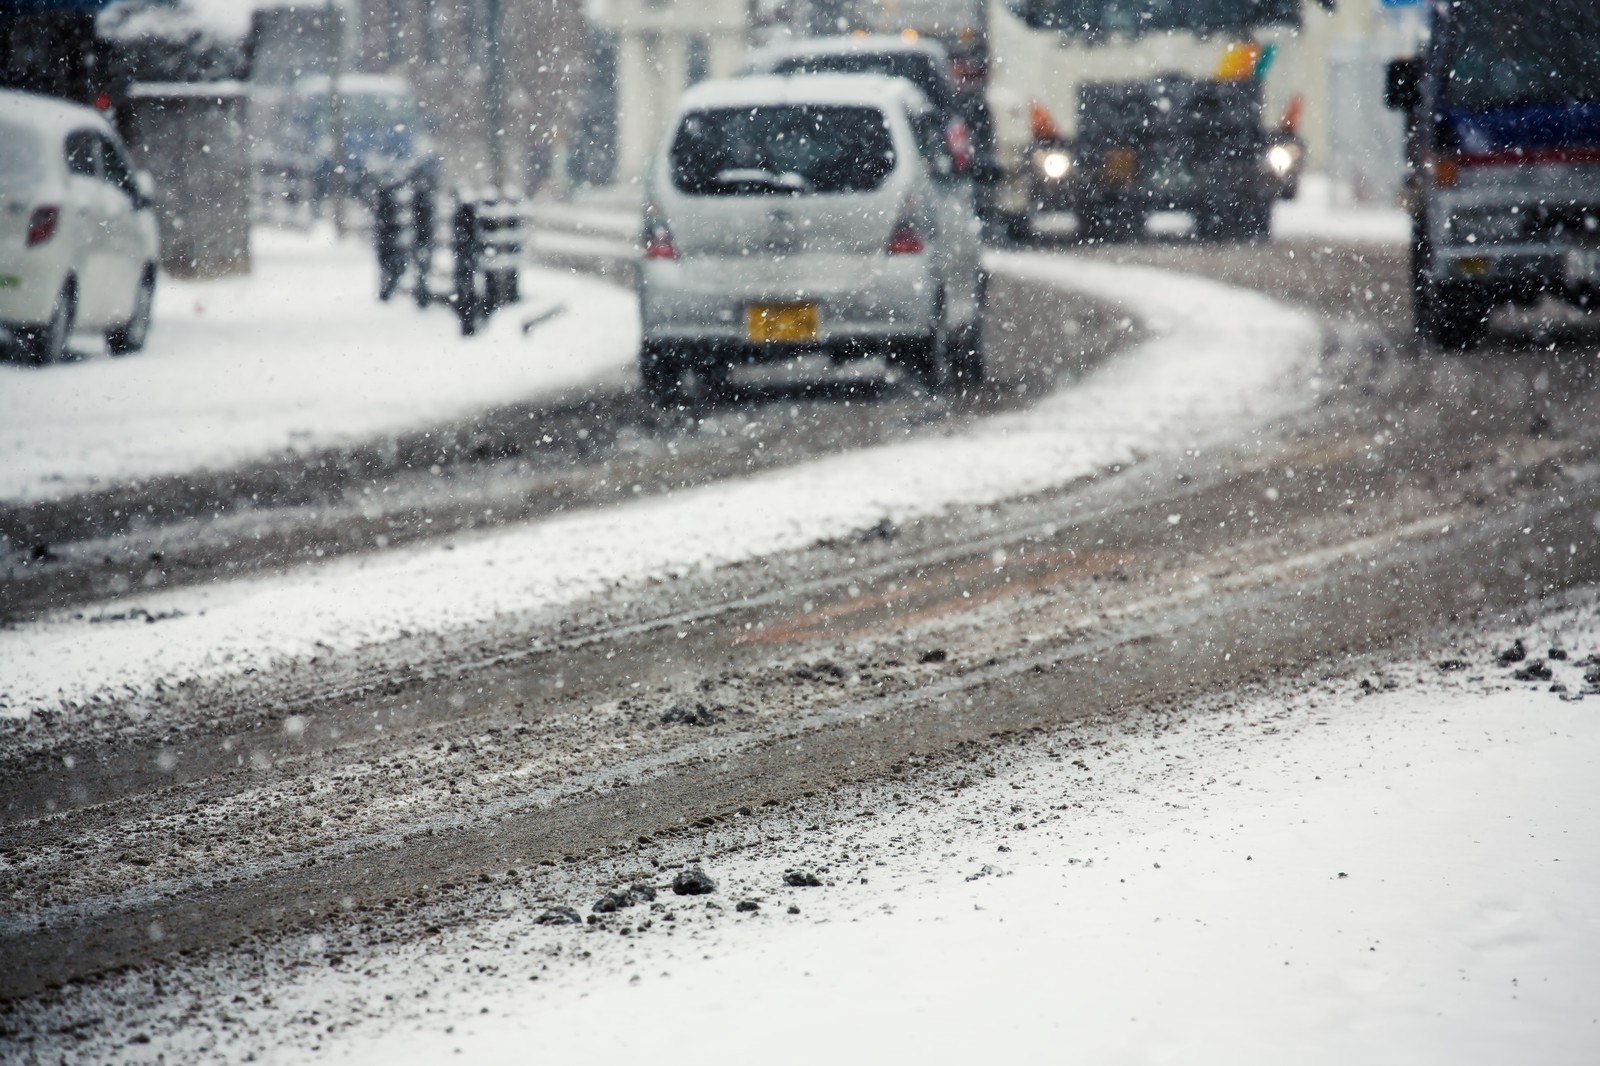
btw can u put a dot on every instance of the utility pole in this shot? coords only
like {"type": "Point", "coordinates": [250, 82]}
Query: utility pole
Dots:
{"type": "Point", "coordinates": [495, 105]}
{"type": "Point", "coordinates": [336, 112]}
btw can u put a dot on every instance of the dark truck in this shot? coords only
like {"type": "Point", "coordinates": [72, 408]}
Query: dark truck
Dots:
{"type": "Point", "coordinates": [1171, 143]}
{"type": "Point", "coordinates": [1503, 138]}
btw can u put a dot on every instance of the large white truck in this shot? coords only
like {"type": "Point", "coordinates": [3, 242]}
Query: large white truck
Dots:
{"type": "Point", "coordinates": [1045, 54]}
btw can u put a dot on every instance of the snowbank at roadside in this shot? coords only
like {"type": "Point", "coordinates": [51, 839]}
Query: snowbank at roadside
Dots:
{"type": "Point", "coordinates": [1317, 212]}
{"type": "Point", "coordinates": [1220, 362]}
{"type": "Point", "coordinates": [298, 355]}
{"type": "Point", "coordinates": [1322, 876]}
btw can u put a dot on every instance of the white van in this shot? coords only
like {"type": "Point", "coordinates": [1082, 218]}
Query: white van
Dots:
{"type": "Point", "coordinates": [810, 214]}
{"type": "Point", "coordinates": [78, 242]}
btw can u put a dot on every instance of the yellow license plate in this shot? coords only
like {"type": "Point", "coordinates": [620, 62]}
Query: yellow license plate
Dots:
{"type": "Point", "coordinates": [780, 323]}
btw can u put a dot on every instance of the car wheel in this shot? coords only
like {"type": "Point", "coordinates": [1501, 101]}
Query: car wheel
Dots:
{"type": "Point", "coordinates": [671, 379]}
{"type": "Point", "coordinates": [48, 343]}
{"type": "Point", "coordinates": [659, 374]}
{"type": "Point", "coordinates": [1454, 317]}
{"type": "Point", "coordinates": [1213, 225]}
{"type": "Point", "coordinates": [930, 357]}
{"type": "Point", "coordinates": [1257, 221]}
{"type": "Point", "coordinates": [966, 346]}
{"type": "Point", "coordinates": [131, 335]}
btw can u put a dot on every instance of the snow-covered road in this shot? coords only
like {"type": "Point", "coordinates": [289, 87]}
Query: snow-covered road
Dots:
{"type": "Point", "coordinates": [1220, 361]}
{"type": "Point", "coordinates": [1315, 876]}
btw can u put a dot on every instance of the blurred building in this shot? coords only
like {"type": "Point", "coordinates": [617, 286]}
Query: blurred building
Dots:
{"type": "Point", "coordinates": [440, 47]}
{"type": "Point", "coordinates": [662, 48]}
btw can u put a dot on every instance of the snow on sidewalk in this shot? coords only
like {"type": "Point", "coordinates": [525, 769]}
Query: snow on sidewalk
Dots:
{"type": "Point", "coordinates": [1313, 877]}
{"type": "Point", "coordinates": [1222, 360]}
{"type": "Point", "coordinates": [298, 355]}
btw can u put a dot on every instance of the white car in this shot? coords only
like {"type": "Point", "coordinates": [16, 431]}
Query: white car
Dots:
{"type": "Point", "coordinates": [811, 214]}
{"type": "Point", "coordinates": [78, 241]}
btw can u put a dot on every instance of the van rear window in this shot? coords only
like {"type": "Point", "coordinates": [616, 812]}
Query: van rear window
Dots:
{"type": "Point", "coordinates": [778, 150]}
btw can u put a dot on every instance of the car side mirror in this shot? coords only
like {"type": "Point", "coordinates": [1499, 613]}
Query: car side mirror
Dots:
{"type": "Point", "coordinates": [1403, 88]}
{"type": "Point", "coordinates": [145, 187]}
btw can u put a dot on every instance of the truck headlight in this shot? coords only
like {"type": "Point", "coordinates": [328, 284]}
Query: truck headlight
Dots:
{"type": "Point", "coordinates": [1281, 159]}
{"type": "Point", "coordinates": [1054, 164]}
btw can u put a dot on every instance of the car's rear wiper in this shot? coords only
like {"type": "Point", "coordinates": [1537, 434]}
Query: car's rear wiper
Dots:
{"type": "Point", "coordinates": [788, 181]}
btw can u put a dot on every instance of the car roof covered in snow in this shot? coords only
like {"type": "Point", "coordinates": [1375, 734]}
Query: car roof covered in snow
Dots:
{"type": "Point", "coordinates": [867, 90]}
{"type": "Point", "coordinates": [769, 56]}
{"type": "Point", "coordinates": [49, 116]}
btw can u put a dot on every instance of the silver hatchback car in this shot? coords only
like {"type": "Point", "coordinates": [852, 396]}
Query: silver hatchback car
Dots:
{"type": "Point", "coordinates": [808, 214]}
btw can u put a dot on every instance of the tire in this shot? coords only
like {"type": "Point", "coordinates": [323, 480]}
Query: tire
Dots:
{"type": "Point", "coordinates": [966, 346]}
{"type": "Point", "coordinates": [929, 358]}
{"type": "Point", "coordinates": [1254, 221]}
{"type": "Point", "coordinates": [1018, 228]}
{"type": "Point", "coordinates": [1109, 225]}
{"type": "Point", "coordinates": [48, 343]}
{"type": "Point", "coordinates": [672, 380]}
{"type": "Point", "coordinates": [1453, 317]}
{"type": "Point", "coordinates": [659, 375]}
{"type": "Point", "coordinates": [130, 337]}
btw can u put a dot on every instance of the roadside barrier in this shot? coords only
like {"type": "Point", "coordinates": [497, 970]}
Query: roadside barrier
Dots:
{"type": "Point", "coordinates": [482, 236]}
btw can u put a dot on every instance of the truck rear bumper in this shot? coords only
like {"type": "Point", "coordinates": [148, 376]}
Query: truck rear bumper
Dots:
{"type": "Point", "coordinates": [1049, 197]}
{"type": "Point", "coordinates": [1519, 272]}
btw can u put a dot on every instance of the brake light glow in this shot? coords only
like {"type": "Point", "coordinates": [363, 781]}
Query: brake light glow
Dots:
{"type": "Point", "coordinates": [958, 139]}
{"type": "Point", "coordinates": [969, 72]}
{"type": "Point", "coordinates": [905, 240]}
{"type": "Point", "coordinates": [42, 224]}
{"type": "Point", "coordinates": [658, 242]}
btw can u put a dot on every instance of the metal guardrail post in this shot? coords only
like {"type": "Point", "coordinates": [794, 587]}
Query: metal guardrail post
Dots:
{"type": "Point", "coordinates": [486, 236]}
{"type": "Point", "coordinates": [389, 224]}
{"type": "Point", "coordinates": [469, 304]}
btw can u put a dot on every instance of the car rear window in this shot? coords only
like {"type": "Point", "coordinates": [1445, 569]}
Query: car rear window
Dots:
{"type": "Point", "coordinates": [788, 149]}
{"type": "Point", "coordinates": [21, 152]}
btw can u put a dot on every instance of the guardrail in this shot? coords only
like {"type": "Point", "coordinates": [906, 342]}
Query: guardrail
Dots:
{"type": "Point", "coordinates": [484, 233]}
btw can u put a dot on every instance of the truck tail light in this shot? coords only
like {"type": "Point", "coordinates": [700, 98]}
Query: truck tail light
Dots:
{"type": "Point", "coordinates": [958, 141]}
{"type": "Point", "coordinates": [1041, 124]}
{"type": "Point", "coordinates": [1444, 172]}
{"type": "Point", "coordinates": [42, 224]}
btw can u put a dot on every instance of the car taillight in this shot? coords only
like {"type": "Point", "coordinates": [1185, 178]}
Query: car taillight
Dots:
{"type": "Point", "coordinates": [969, 73]}
{"type": "Point", "coordinates": [658, 240]}
{"type": "Point", "coordinates": [42, 224]}
{"type": "Point", "coordinates": [958, 139]}
{"type": "Point", "coordinates": [905, 240]}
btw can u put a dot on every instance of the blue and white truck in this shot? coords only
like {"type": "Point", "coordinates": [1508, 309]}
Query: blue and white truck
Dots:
{"type": "Point", "coordinates": [1503, 142]}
